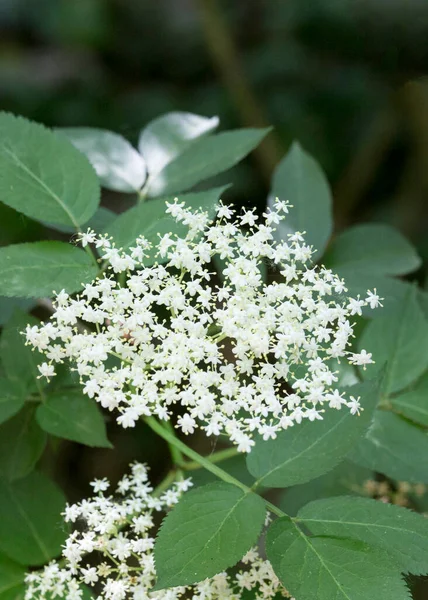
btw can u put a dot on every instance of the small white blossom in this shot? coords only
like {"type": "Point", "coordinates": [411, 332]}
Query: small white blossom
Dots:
{"type": "Point", "coordinates": [111, 552]}
{"type": "Point", "coordinates": [373, 300]}
{"type": "Point", "coordinates": [239, 358]}
{"type": "Point", "coordinates": [46, 370]}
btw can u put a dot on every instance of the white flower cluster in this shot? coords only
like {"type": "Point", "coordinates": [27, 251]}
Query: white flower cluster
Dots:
{"type": "Point", "coordinates": [238, 356]}
{"type": "Point", "coordinates": [113, 554]}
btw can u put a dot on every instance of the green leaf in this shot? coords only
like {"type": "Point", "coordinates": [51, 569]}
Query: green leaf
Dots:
{"type": "Point", "coordinates": [167, 136]}
{"type": "Point", "coordinates": [16, 227]}
{"type": "Point", "coordinates": [21, 444]}
{"type": "Point", "coordinates": [8, 305]}
{"type": "Point", "coordinates": [394, 447]}
{"type": "Point", "coordinates": [99, 221]}
{"type": "Point", "coordinates": [12, 398]}
{"type": "Point", "coordinates": [20, 361]}
{"type": "Point", "coordinates": [331, 569]}
{"type": "Point", "coordinates": [299, 179]}
{"type": "Point", "coordinates": [401, 340]}
{"type": "Point", "coordinates": [118, 165]}
{"type": "Point", "coordinates": [235, 466]}
{"type": "Point", "coordinates": [308, 450]}
{"type": "Point", "coordinates": [414, 404]}
{"type": "Point", "coordinates": [39, 268]}
{"type": "Point", "coordinates": [43, 175]}
{"type": "Point", "coordinates": [12, 576]}
{"type": "Point", "coordinates": [205, 158]}
{"type": "Point", "coordinates": [151, 220]}
{"type": "Point", "coordinates": [209, 530]}
{"type": "Point", "coordinates": [73, 416]}
{"type": "Point", "coordinates": [400, 532]}
{"type": "Point", "coordinates": [346, 478]}
{"type": "Point", "coordinates": [392, 291]}
{"type": "Point", "coordinates": [31, 527]}
{"type": "Point", "coordinates": [372, 248]}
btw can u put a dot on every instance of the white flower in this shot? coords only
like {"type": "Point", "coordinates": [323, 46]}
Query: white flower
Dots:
{"type": "Point", "coordinates": [88, 238]}
{"type": "Point", "coordinates": [46, 370]}
{"type": "Point", "coordinates": [354, 405]}
{"type": "Point", "coordinates": [373, 300]}
{"type": "Point", "coordinates": [116, 537]}
{"type": "Point", "coordinates": [363, 358]}
{"type": "Point", "coordinates": [225, 353]}
{"type": "Point", "coordinates": [100, 485]}
{"type": "Point", "coordinates": [186, 423]}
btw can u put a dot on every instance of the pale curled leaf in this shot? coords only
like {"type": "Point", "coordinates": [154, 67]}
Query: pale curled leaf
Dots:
{"type": "Point", "coordinates": [118, 165]}
{"type": "Point", "coordinates": [167, 136]}
{"type": "Point", "coordinates": [209, 530]}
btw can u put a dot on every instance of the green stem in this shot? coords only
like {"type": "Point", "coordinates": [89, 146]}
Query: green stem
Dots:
{"type": "Point", "coordinates": [213, 458]}
{"type": "Point", "coordinates": [165, 483]}
{"type": "Point", "coordinates": [169, 436]}
{"type": "Point", "coordinates": [176, 455]}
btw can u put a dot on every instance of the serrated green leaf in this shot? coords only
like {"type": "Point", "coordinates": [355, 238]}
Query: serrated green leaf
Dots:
{"type": "Point", "coordinates": [73, 416]}
{"type": "Point", "coordinates": [43, 176]}
{"type": "Point", "coordinates": [414, 404]}
{"type": "Point", "coordinates": [99, 221]}
{"type": "Point", "coordinates": [308, 450]}
{"type": "Point", "coordinates": [167, 136]}
{"type": "Point", "coordinates": [39, 268]}
{"type": "Point", "coordinates": [372, 248]}
{"type": "Point", "coordinates": [400, 340]}
{"type": "Point", "coordinates": [151, 220]}
{"type": "Point", "coordinates": [20, 361]}
{"type": "Point", "coordinates": [331, 569]}
{"type": "Point", "coordinates": [12, 398]}
{"type": "Point", "coordinates": [12, 576]}
{"type": "Point", "coordinates": [346, 478]}
{"type": "Point", "coordinates": [208, 531]}
{"type": "Point", "coordinates": [205, 158]}
{"type": "Point", "coordinates": [394, 447]}
{"type": "Point", "coordinates": [32, 530]}
{"type": "Point", "coordinates": [118, 165]}
{"type": "Point", "coordinates": [299, 179]}
{"type": "Point", "coordinates": [400, 532]}
{"type": "Point", "coordinates": [21, 444]}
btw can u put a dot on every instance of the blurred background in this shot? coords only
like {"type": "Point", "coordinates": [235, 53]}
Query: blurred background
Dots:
{"type": "Point", "coordinates": [344, 77]}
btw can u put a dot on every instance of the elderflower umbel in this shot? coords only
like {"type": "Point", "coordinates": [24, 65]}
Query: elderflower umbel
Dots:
{"type": "Point", "coordinates": [111, 552]}
{"type": "Point", "coordinates": [240, 357]}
